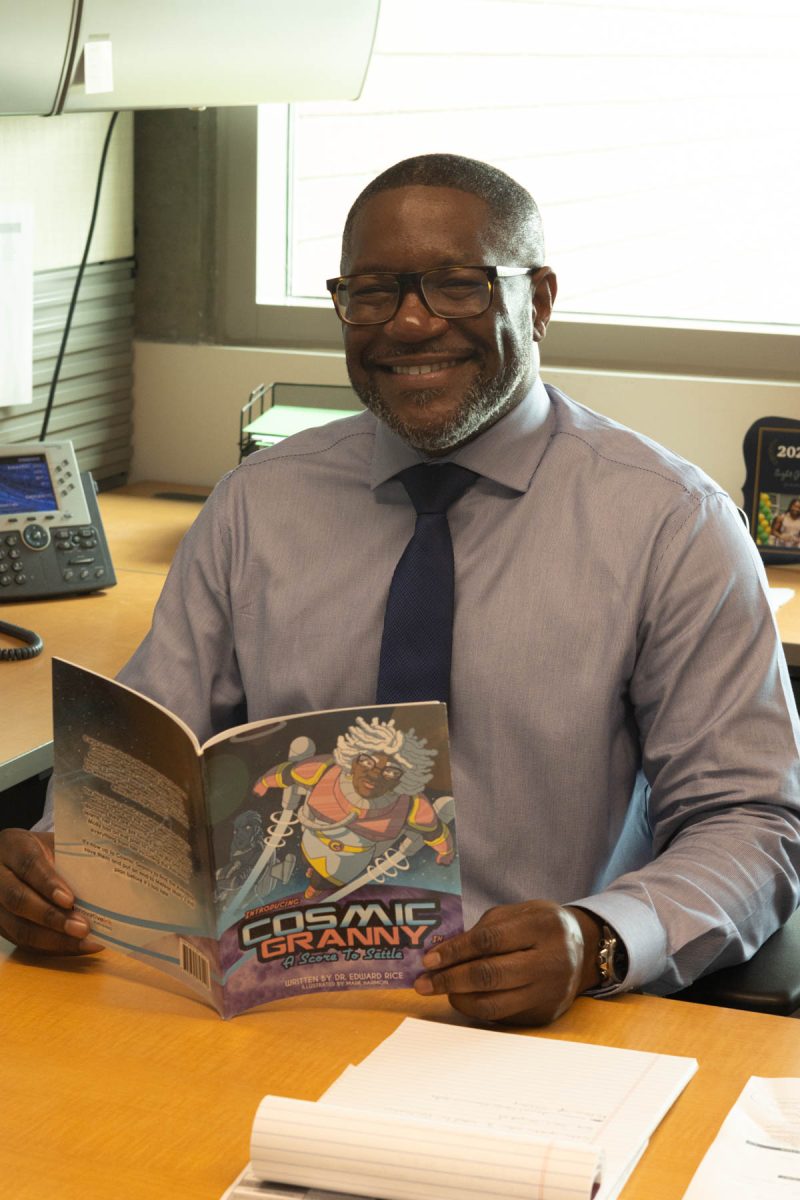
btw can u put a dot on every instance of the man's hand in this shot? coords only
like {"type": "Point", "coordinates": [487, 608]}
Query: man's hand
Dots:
{"type": "Point", "coordinates": [36, 905]}
{"type": "Point", "coordinates": [524, 963]}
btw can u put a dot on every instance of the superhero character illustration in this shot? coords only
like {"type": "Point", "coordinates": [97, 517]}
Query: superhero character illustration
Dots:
{"type": "Point", "coordinates": [247, 842]}
{"type": "Point", "coordinates": [361, 811]}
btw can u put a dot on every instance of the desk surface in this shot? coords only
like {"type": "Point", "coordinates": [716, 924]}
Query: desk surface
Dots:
{"type": "Point", "coordinates": [117, 1084]}
{"type": "Point", "coordinates": [99, 630]}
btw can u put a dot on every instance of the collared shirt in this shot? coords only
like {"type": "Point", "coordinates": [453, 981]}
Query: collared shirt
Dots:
{"type": "Point", "coordinates": [623, 734]}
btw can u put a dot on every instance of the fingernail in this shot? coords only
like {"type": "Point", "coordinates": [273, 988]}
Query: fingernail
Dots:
{"type": "Point", "coordinates": [76, 927]}
{"type": "Point", "coordinates": [432, 959]}
{"type": "Point", "coordinates": [62, 897]}
{"type": "Point", "coordinates": [424, 985]}
{"type": "Point", "coordinates": [90, 946]}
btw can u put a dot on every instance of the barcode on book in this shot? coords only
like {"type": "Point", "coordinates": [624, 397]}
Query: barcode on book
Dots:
{"type": "Point", "coordinates": [195, 964]}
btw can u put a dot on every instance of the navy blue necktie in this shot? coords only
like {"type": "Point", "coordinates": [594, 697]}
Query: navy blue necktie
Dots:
{"type": "Point", "coordinates": [418, 625]}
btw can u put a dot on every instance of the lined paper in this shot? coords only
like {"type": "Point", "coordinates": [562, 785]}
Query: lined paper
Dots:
{"type": "Point", "coordinates": [397, 1158]}
{"type": "Point", "coordinates": [598, 1095]}
{"type": "Point", "coordinates": [442, 1112]}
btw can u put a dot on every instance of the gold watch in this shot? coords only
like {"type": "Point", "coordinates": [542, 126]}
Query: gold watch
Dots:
{"type": "Point", "coordinates": [612, 958]}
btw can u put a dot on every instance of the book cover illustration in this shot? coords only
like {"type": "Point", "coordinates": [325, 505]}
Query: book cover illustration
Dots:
{"type": "Point", "coordinates": [307, 853]}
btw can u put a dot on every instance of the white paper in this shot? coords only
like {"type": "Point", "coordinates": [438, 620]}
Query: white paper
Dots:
{"type": "Point", "coordinates": [98, 67]}
{"type": "Point", "coordinates": [16, 304]}
{"type": "Point", "coordinates": [429, 1084]}
{"type": "Point", "coordinates": [364, 1152]}
{"type": "Point", "coordinates": [778, 596]}
{"type": "Point", "coordinates": [597, 1095]}
{"type": "Point", "coordinates": [756, 1154]}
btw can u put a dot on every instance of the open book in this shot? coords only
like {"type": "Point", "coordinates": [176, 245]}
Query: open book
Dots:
{"type": "Point", "coordinates": [299, 854]}
{"type": "Point", "coordinates": [439, 1112]}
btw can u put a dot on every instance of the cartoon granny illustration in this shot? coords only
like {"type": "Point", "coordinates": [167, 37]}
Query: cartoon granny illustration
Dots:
{"type": "Point", "coordinates": [362, 811]}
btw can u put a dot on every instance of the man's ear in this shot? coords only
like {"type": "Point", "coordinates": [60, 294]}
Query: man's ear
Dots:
{"type": "Point", "coordinates": [545, 287]}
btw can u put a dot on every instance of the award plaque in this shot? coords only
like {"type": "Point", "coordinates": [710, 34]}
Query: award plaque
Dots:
{"type": "Point", "coordinates": [772, 487]}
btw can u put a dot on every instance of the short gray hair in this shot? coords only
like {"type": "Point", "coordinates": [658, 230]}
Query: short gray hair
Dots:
{"type": "Point", "coordinates": [512, 206]}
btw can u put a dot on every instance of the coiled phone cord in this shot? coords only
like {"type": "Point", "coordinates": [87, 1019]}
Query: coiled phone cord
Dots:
{"type": "Point", "coordinates": [33, 643]}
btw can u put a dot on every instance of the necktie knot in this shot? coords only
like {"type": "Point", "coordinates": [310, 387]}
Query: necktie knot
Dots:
{"type": "Point", "coordinates": [433, 488]}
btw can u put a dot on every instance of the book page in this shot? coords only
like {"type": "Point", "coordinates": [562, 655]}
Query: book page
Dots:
{"type": "Point", "coordinates": [756, 1154]}
{"type": "Point", "coordinates": [130, 828]}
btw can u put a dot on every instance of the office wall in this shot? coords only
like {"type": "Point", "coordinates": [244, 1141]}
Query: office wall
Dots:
{"type": "Point", "coordinates": [188, 398]}
{"type": "Point", "coordinates": [52, 163]}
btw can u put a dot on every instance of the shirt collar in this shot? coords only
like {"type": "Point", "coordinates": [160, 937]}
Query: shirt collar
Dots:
{"type": "Point", "coordinates": [508, 452]}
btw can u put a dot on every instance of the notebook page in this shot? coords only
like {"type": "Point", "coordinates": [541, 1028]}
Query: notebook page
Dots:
{"type": "Point", "coordinates": [364, 1153]}
{"type": "Point", "coordinates": [597, 1095]}
{"type": "Point", "coordinates": [756, 1154]}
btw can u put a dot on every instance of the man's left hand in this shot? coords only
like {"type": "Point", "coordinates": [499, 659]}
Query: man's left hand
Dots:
{"type": "Point", "coordinates": [523, 963]}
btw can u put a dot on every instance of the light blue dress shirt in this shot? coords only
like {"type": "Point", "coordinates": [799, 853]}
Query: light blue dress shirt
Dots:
{"type": "Point", "coordinates": [623, 734]}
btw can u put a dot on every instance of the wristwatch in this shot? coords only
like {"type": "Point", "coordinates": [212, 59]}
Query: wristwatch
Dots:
{"type": "Point", "coordinates": [612, 958]}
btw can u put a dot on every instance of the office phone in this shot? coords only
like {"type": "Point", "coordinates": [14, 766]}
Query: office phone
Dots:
{"type": "Point", "coordinates": [52, 541]}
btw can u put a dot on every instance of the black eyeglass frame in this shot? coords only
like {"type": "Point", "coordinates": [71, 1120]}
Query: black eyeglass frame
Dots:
{"type": "Point", "coordinates": [408, 280]}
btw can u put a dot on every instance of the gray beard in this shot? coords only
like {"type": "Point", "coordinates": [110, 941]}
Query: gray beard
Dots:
{"type": "Point", "coordinates": [482, 404]}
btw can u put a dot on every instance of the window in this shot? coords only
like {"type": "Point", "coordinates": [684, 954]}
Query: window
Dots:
{"type": "Point", "coordinates": [658, 137]}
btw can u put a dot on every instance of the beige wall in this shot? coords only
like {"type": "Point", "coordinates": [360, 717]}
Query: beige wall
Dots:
{"type": "Point", "coordinates": [52, 163]}
{"type": "Point", "coordinates": [187, 401]}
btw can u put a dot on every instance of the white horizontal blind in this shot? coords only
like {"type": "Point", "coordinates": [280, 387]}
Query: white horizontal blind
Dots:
{"type": "Point", "coordinates": [93, 402]}
{"type": "Point", "coordinates": [659, 137]}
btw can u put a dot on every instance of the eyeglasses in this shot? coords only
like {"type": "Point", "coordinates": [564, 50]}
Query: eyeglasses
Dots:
{"type": "Point", "coordinates": [369, 763]}
{"type": "Point", "coordinates": [450, 292]}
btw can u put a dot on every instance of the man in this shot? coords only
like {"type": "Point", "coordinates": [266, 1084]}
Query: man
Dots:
{"type": "Point", "coordinates": [623, 740]}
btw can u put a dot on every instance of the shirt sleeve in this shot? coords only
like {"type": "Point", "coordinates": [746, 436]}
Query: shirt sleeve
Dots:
{"type": "Point", "coordinates": [187, 661]}
{"type": "Point", "coordinates": [719, 733]}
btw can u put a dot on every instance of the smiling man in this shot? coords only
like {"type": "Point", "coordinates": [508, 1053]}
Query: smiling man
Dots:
{"type": "Point", "coordinates": [438, 382]}
{"type": "Point", "coordinates": [624, 744]}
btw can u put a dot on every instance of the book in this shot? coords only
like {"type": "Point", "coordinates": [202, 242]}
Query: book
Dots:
{"type": "Point", "coordinates": [442, 1112]}
{"type": "Point", "coordinates": [304, 853]}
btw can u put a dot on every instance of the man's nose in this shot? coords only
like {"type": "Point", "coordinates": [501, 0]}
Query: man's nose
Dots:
{"type": "Point", "coordinates": [413, 320]}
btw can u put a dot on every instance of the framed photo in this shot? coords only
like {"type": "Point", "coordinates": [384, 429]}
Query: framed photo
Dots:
{"type": "Point", "coordinates": [772, 487]}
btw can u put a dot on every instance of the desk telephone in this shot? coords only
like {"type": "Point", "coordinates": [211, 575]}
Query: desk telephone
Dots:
{"type": "Point", "coordinates": [51, 537]}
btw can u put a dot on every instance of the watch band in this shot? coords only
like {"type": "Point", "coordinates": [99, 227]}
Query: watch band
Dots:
{"type": "Point", "coordinates": [612, 958]}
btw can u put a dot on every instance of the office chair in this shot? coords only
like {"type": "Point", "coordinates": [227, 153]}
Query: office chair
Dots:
{"type": "Point", "coordinates": [768, 983]}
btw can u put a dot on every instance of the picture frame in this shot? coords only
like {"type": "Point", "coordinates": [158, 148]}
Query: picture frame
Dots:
{"type": "Point", "coordinates": [772, 488]}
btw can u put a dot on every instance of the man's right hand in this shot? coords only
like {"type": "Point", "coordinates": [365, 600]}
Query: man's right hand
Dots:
{"type": "Point", "coordinates": [36, 905]}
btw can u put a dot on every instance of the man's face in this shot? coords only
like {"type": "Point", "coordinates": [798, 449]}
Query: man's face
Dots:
{"type": "Point", "coordinates": [439, 382]}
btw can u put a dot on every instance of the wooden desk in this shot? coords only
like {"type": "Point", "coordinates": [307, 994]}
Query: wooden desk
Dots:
{"type": "Point", "coordinates": [116, 1084]}
{"type": "Point", "coordinates": [99, 630]}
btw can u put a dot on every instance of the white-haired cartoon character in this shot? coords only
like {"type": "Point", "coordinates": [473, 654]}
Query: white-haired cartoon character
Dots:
{"type": "Point", "coordinates": [359, 801]}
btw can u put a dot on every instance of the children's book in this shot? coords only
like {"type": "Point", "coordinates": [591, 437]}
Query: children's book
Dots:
{"type": "Point", "coordinates": [314, 852]}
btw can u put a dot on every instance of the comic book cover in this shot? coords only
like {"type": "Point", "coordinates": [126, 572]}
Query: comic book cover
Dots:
{"type": "Point", "coordinates": [307, 853]}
